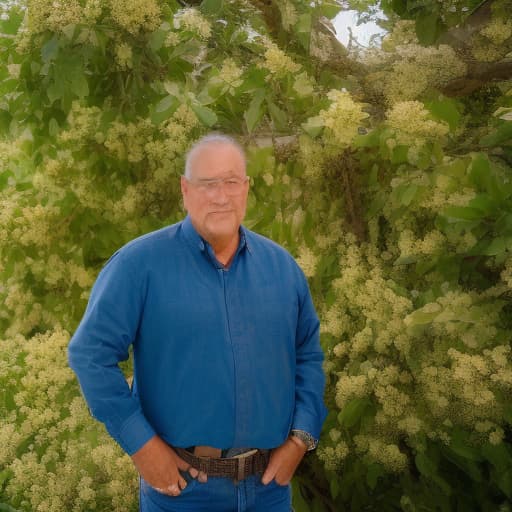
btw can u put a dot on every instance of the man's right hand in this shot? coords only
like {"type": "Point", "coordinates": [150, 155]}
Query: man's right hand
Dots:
{"type": "Point", "coordinates": [159, 465]}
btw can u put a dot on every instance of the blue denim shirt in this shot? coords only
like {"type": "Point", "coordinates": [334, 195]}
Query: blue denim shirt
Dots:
{"type": "Point", "coordinates": [224, 357]}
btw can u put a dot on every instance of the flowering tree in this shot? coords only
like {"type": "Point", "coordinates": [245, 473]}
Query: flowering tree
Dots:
{"type": "Point", "coordinates": [385, 172]}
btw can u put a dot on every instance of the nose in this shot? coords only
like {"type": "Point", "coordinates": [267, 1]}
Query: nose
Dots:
{"type": "Point", "coordinates": [219, 195]}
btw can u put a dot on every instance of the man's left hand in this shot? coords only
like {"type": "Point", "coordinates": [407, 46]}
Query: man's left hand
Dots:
{"type": "Point", "coordinates": [284, 461]}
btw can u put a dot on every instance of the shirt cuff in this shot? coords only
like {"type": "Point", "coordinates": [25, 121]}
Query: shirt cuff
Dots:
{"type": "Point", "coordinates": [307, 423]}
{"type": "Point", "coordinates": [135, 433]}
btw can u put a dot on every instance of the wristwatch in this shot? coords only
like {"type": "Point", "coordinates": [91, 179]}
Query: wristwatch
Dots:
{"type": "Point", "coordinates": [310, 442]}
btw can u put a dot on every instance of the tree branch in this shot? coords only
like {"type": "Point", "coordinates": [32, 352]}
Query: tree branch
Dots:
{"type": "Point", "coordinates": [479, 75]}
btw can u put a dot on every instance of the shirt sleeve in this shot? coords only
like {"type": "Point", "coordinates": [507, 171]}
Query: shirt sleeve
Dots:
{"type": "Point", "coordinates": [310, 411]}
{"type": "Point", "coordinates": [102, 340]}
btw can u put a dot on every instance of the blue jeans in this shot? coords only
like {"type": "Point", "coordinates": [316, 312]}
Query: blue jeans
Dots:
{"type": "Point", "coordinates": [219, 495]}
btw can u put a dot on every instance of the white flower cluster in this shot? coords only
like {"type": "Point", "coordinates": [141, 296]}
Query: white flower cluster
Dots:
{"type": "Point", "coordinates": [412, 124]}
{"type": "Point", "coordinates": [229, 77]}
{"type": "Point", "coordinates": [311, 156]}
{"type": "Point", "coordinates": [278, 62]}
{"type": "Point", "coordinates": [308, 261]}
{"type": "Point", "coordinates": [53, 15]}
{"type": "Point", "coordinates": [411, 69]}
{"type": "Point", "coordinates": [83, 126]}
{"type": "Point", "coordinates": [342, 119]}
{"type": "Point", "coordinates": [402, 360]}
{"type": "Point", "coordinates": [289, 14]}
{"type": "Point", "coordinates": [126, 140]}
{"type": "Point", "coordinates": [124, 55]}
{"type": "Point", "coordinates": [498, 30]}
{"type": "Point", "coordinates": [403, 34]}
{"type": "Point", "coordinates": [494, 41]}
{"type": "Point", "coordinates": [50, 434]}
{"type": "Point", "coordinates": [191, 19]}
{"type": "Point", "coordinates": [57, 15]}
{"type": "Point", "coordinates": [135, 16]}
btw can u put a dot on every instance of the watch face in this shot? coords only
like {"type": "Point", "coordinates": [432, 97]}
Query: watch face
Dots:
{"type": "Point", "coordinates": [311, 444]}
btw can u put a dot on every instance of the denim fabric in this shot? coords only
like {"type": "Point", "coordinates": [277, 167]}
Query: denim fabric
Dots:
{"type": "Point", "coordinates": [224, 357]}
{"type": "Point", "coordinates": [219, 495]}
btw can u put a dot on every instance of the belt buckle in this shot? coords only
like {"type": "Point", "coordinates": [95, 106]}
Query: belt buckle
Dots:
{"type": "Point", "coordinates": [245, 454]}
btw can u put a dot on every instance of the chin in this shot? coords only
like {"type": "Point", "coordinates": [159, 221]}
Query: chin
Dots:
{"type": "Point", "coordinates": [222, 229]}
{"type": "Point", "coordinates": [221, 223]}
{"type": "Point", "coordinates": [223, 233]}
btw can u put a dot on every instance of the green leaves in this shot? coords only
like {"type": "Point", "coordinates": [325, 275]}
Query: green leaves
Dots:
{"type": "Point", "coordinates": [428, 466]}
{"type": "Point", "coordinates": [9, 25]}
{"type": "Point", "coordinates": [424, 316]}
{"type": "Point", "coordinates": [480, 171]}
{"type": "Point", "coordinates": [329, 9]}
{"type": "Point", "coordinates": [5, 475]}
{"type": "Point", "coordinates": [494, 247]}
{"type": "Point", "coordinates": [4, 507]}
{"type": "Point", "coordinates": [353, 411]}
{"type": "Point", "coordinates": [502, 134]}
{"type": "Point", "coordinates": [211, 7]}
{"type": "Point", "coordinates": [428, 28]}
{"type": "Point", "coordinates": [460, 445]}
{"type": "Point", "coordinates": [303, 30]}
{"type": "Point", "coordinates": [299, 503]}
{"type": "Point", "coordinates": [157, 38]}
{"type": "Point", "coordinates": [375, 471]}
{"type": "Point", "coordinates": [78, 83]}
{"type": "Point", "coordinates": [447, 110]}
{"type": "Point", "coordinates": [431, 17]}
{"type": "Point", "coordinates": [66, 77]}
{"type": "Point", "coordinates": [167, 103]}
{"type": "Point", "coordinates": [278, 116]}
{"type": "Point", "coordinates": [255, 111]}
{"type": "Point", "coordinates": [50, 50]}
{"type": "Point", "coordinates": [4, 178]}
{"type": "Point", "coordinates": [302, 85]}
{"type": "Point", "coordinates": [314, 126]}
{"type": "Point", "coordinates": [406, 193]}
{"type": "Point", "coordinates": [206, 115]}
{"type": "Point", "coordinates": [462, 213]}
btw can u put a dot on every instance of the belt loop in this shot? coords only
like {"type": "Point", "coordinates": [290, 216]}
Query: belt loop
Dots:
{"type": "Point", "coordinates": [241, 469]}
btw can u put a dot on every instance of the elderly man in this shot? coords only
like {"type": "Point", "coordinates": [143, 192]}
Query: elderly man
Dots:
{"type": "Point", "coordinates": [228, 383]}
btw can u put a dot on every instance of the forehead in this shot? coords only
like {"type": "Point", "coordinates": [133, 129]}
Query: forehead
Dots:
{"type": "Point", "coordinates": [217, 160]}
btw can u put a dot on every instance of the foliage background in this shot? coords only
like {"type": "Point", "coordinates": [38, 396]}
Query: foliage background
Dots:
{"type": "Point", "coordinates": [386, 172]}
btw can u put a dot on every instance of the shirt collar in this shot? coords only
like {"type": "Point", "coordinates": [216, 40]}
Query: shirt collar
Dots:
{"type": "Point", "coordinates": [243, 240]}
{"type": "Point", "coordinates": [197, 241]}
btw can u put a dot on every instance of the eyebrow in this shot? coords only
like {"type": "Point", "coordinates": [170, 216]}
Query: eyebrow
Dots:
{"type": "Point", "coordinates": [231, 176]}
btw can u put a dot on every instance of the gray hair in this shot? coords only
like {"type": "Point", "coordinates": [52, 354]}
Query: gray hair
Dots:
{"type": "Point", "coordinates": [210, 140]}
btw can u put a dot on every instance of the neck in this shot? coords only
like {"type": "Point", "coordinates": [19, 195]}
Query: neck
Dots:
{"type": "Point", "coordinates": [225, 249]}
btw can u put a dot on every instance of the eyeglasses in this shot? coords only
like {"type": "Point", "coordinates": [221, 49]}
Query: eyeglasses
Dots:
{"type": "Point", "coordinates": [231, 186]}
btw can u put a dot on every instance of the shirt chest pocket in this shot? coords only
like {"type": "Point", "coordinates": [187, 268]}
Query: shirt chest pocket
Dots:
{"type": "Point", "coordinates": [270, 310]}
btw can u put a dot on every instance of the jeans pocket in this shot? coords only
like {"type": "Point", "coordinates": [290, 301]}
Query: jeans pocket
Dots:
{"type": "Point", "coordinates": [276, 484]}
{"type": "Point", "coordinates": [191, 482]}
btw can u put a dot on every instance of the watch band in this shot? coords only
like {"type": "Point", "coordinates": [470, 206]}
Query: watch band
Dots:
{"type": "Point", "coordinates": [310, 442]}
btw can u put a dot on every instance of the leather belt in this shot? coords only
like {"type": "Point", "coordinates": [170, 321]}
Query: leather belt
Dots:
{"type": "Point", "coordinates": [236, 468]}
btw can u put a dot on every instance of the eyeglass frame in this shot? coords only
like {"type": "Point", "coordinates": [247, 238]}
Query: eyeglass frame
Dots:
{"type": "Point", "coordinates": [210, 185]}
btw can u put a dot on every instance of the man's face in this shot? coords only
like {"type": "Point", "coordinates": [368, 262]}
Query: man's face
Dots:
{"type": "Point", "coordinates": [216, 211]}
